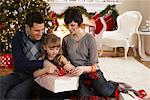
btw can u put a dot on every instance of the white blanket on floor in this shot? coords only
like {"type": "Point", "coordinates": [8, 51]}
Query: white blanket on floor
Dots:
{"type": "Point", "coordinates": [130, 71]}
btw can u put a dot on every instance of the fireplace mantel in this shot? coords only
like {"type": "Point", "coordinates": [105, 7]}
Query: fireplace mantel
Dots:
{"type": "Point", "coordinates": [60, 6]}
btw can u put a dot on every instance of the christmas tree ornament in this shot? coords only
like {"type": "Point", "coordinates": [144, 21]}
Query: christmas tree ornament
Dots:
{"type": "Point", "coordinates": [49, 30]}
{"type": "Point", "coordinates": [2, 26]}
{"type": "Point", "coordinates": [20, 9]}
{"type": "Point", "coordinates": [1, 3]}
{"type": "Point", "coordinates": [24, 7]}
{"type": "Point", "coordinates": [15, 13]}
{"type": "Point", "coordinates": [7, 1]}
{"type": "Point", "coordinates": [12, 26]}
{"type": "Point", "coordinates": [49, 23]}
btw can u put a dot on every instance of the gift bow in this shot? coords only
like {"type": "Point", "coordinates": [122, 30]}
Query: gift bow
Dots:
{"type": "Point", "coordinates": [61, 71]}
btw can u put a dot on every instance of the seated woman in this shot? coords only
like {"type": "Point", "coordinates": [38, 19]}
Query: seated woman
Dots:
{"type": "Point", "coordinates": [80, 48]}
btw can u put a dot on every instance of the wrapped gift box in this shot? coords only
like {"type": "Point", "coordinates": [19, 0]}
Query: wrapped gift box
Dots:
{"type": "Point", "coordinates": [57, 83]}
{"type": "Point", "coordinates": [6, 61]}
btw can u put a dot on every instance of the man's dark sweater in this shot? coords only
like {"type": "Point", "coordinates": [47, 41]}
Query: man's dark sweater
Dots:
{"type": "Point", "coordinates": [21, 62]}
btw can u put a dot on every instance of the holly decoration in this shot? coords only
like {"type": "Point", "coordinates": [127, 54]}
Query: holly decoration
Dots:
{"type": "Point", "coordinates": [52, 21]}
{"type": "Point", "coordinates": [110, 12]}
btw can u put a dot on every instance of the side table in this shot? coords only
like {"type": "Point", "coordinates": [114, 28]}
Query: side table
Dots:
{"type": "Point", "coordinates": [141, 50]}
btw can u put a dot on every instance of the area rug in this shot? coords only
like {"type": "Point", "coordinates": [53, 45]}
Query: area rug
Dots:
{"type": "Point", "coordinates": [126, 70]}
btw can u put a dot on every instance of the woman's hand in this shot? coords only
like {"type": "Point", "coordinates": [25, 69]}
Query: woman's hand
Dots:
{"type": "Point", "coordinates": [68, 67]}
{"type": "Point", "coordinates": [77, 71]}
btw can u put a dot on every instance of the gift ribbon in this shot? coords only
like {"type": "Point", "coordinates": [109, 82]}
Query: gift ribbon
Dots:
{"type": "Point", "coordinates": [142, 93]}
{"type": "Point", "coordinates": [61, 71]}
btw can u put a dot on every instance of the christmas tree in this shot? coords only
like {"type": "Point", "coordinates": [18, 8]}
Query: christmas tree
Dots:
{"type": "Point", "coordinates": [12, 18]}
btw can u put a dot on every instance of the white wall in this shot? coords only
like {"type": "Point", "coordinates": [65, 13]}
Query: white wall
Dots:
{"type": "Point", "coordinates": [61, 7]}
{"type": "Point", "coordinates": [143, 6]}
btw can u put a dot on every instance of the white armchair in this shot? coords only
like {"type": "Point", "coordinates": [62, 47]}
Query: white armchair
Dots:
{"type": "Point", "coordinates": [125, 36]}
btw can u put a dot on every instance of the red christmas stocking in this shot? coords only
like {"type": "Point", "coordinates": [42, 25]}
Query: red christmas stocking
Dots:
{"type": "Point", "coordinates": [109, 22]}
{"type": "Point", "coordinates": [98, 23]}
{"type": "Point", "coordinates": [96, 16]}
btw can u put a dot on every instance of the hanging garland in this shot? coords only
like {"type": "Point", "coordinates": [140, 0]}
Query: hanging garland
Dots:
{"type": "Point", "coordinates": [81, 8]}
{"type": "Point", "coordinates": [89, 15]}
{"type": "Point", "coordinates": [114, 13]}
{"type": "Point", "coordinates": [109, 14]}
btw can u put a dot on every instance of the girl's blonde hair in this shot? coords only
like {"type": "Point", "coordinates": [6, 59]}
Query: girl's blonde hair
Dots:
{"type": "Point", "coordinates": [52, 41]}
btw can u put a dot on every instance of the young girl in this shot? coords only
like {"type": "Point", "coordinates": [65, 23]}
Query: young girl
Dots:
{"type": "Point", "coordinates": [51, 52]}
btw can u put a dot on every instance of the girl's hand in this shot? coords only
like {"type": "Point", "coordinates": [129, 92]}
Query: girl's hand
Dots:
{"type": "Point", "coordinates": [51, 69]}
{"type": "Point", "coordinates": [77, 71]}
{"type": "Point", "coordinates": [45, 70]}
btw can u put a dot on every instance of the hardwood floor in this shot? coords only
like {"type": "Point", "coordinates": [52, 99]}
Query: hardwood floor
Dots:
{"type": "Point", "coordinates": [5, 71]}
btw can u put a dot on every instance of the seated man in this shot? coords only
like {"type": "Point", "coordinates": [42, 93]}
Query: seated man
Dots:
{"type": "Point", "coordinates": [25, 50]}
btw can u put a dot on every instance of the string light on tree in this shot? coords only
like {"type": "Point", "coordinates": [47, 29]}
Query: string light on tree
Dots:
{"type": "Point", "coordinates": [12, 18]}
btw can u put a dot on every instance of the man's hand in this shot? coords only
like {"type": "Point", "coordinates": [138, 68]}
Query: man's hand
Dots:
{"type": "Point", "coordinates": [51, 70]}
